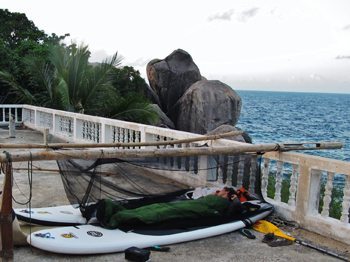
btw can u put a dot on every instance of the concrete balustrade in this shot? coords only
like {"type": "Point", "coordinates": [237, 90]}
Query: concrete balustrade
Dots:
{"type": "Point", "coordinates": [310, 180]}
{"type": "Point", "coordinates": [308, 175]}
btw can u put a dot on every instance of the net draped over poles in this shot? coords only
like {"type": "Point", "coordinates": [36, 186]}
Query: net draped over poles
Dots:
{"type": "Point", "coordinates": [139, 179]}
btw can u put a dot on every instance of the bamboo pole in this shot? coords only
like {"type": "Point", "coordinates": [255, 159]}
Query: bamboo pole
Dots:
{"type": "Point", "coordinates": [159, 152]}
{"type": "Point", "coordinates": [117, 144]}
{"type": "Point", "coordinates": [6, 216]}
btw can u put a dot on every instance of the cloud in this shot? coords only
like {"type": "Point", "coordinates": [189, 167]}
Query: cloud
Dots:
{"type": "Point", "coordinates": [231, 14]}
{"type": "Point", "coordinates": [249, 13]}
{"type": "Point", "coordinates": [347, 27]}
{"type": "Point", "coordinates": [343, 57]}
{"type": "Point", "coordinates": [226, 16]}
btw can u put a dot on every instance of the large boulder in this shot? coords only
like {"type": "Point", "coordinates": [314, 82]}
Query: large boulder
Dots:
{"type": "Point", "coordinates": [163, 120]}
{"type": "Point", "coordinates": [206, 105]}
{"type": "Point", "coordinates": [171, 77]}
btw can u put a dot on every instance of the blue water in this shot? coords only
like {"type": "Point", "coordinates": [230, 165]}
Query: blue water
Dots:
{"type": "Point", "coordinates": [297, 117]}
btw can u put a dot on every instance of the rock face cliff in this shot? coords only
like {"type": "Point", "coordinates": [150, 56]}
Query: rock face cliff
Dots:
{"type": "Point", "coordinates": [206, 105]}
{"type": "Point", "coordinates": [191, 102]}
{"type": "Point", "coordinates": [171, 77]}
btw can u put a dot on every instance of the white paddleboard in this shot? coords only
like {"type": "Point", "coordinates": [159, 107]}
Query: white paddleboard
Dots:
{"type": "Point", "coordinates": [90, 239]}
{"type": "Point", "coordinates": [51, 216]}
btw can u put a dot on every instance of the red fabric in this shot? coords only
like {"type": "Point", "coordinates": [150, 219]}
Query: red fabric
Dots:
{"type": "Point", "coordinates": [242, 194]}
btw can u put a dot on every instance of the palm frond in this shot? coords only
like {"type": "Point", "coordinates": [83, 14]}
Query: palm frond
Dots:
{"type": "Point", "coordinates": [134, 108]}
{"type": "Point", "coordinates": [21, 94]}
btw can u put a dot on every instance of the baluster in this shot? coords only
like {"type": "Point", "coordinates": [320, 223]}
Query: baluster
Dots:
{"type": "Point", "coordinates": [179, 159]}
{"type": "Point", "coordinates": [137, 136]}
{"type": "Point", "coordinates": [131, 136]}
{"type": "Point", "coordinates": [112, 133]}
{"type": "Point", "coordinates": [252, 175]}
{"type": "Point", "coordinates": [93, 131]}
{"type": "Point", "coordinates": [117, 134]}
{"type": "Point", "coordinates": [125, 135]}
{"type": "Point", "coordinates": [346, 201]}
{"type": "Point", "coordinates": [240, 171]}
{"type": "Point", "coordinates": [88, 135]}
{"type": "Point", "coordinates": [235, 164]}
{"type": "Point", "coordinates": [293, 185]}
{"type": "Point", "coordinates": [165, 159]}
{"type": "Point", "coordinates": [16, 115]}
{"type": "Point", "coordinates": [327, 194]}
{"type": "Point", "coordinates": [229, 170]}
{"type": "Point", "coordinates": [60, 122]}
{"type": "Point", "coordinates": [187, 160]}
{"type": "Point", "coordinates": [89, 130]}
{"type": "Point", "coordinates": [83, 130]}
{"type": "Point", "coordinates": [196, 164]}
{"type": "Point", "coordinates": [98, 133]}
{"type": "Point", "coordinates": [220, 175]}
{"type": "Point", "coordinates": [278, 185]}
{"type": "Point", "coordinates": [265, 177]}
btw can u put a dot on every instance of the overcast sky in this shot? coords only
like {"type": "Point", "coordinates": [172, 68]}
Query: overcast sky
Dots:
{"type": "Point", "coordinates": [288, 45]}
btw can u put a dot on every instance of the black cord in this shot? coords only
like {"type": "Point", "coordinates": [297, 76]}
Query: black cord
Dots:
{"type": "Point", "coordinates": [30, 183]}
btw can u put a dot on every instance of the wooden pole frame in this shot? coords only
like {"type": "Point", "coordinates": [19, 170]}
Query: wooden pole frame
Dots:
{"type": "Point", "coordinates": [158, 152]}
{"type": "Point", "coordinates": [6, 215]}
{"type": "Point", "coordinates": [7, 159]}
{"type": "Point", "coordinates": [129, 145]}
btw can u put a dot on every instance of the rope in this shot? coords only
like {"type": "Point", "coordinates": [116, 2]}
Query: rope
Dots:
{"type": "Point", "coordinates": [30, 183]}
{"type": "Point", "coordinates": [281, 222]}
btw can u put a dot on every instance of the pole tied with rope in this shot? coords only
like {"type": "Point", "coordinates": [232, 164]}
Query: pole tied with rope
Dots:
{"type": "Point", "coordinates": [6, 215]}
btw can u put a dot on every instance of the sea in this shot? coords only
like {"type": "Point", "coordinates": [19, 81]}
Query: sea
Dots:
{"type": "Point", "coordinates": [283, 117]}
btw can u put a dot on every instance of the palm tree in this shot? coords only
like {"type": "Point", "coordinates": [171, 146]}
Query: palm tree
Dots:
{"type": "Point", "coordinates": [82, 87]}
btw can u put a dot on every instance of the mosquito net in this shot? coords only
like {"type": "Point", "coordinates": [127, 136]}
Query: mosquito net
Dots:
{"type": "Point", "coordinates": [149, 180]}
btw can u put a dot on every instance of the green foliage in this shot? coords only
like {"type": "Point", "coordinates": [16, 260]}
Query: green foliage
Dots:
{"type": "Point", "coordinates": [335, 205]}
{"type": "Point", "coordinates": [38, 69]}
{"type": "Point", "coordinates": [20, 38]}
{"type": "Point", "coordinates": [131, 108]}
{"type": "Point", "coordinates": [284, 190]}
{"type": "Point", "coordinates": [126, 80]}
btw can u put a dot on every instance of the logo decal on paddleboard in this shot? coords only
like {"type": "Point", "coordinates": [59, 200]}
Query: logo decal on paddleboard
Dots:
{"type": "Point", "coordinates": [94, 233]}
{"type": "Point", "coordinates": [66, 212]}
{"type": "Point", "coordinates": [26, 211]}
{"type": "Point", "coordinates": [43, 212]}
{"type": "Point", "coordinates": [69, 235]}
{"type": "Point", "coordinates": [44, 235]}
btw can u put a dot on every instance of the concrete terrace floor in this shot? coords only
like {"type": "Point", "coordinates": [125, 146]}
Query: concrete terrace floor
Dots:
{"type": "Point", "coordinates": [48, 191]}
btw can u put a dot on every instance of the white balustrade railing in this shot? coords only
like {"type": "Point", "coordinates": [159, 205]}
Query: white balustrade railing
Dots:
{"type": "Point", "coordinates": [313, 191]}
{"type": "Point", "coordinates": [10, 110]}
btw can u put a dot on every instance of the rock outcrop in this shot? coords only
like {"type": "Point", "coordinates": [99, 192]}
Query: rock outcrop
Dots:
{"type": "Point", "coordinates": [245, 138]}
{"type": "Point", "coordinates": [164, 120]}
{"type": "Point", "coordinates": [171, 77]}
{"type": "Point", "coordinates": [206, 105]}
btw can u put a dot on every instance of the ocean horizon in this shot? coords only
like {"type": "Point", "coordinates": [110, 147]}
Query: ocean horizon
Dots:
{"type": "Point", "coordinates": [278, 116]}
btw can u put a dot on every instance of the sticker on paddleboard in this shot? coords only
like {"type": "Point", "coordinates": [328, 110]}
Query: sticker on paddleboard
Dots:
{"type": "Point", "coordinates": [26, 211]}
{"type": "Point", "coordinates": [44, 235]}
{"type": "Point", "coordinates": [69, 235]}
{"type": "Point", "coordinates": [94, 233]}
{"type": "Point", "coordinates": [44, 212]}
{"type": "Point", "coordinates": [66, 212]}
